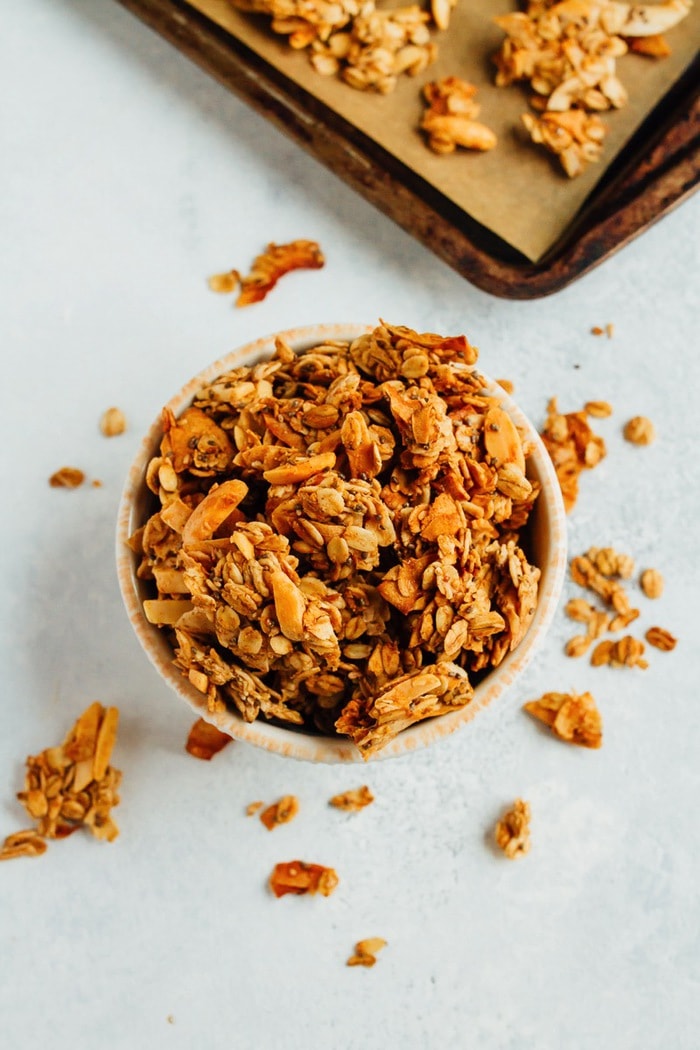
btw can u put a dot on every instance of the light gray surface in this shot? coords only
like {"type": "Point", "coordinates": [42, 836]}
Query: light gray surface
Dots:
{"type": "Point", "coordinates": [127, 177]}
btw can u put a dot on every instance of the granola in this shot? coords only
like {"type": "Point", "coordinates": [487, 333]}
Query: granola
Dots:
{"type": "Point", "coordinates": [205, 740]}
{"type": "Point", "coordinates": [365, 953]}
{"type": "Point", "coordinates": [353, 800]}
{"type": "Point", "coordinates": [27, 843]}
{"type": "Point", "coordinates": [567, 53]}
{"type": "Point", "coordinates": [337, 539]}
{"type": "Point", "coordinates": [451, 117]}
{"type": "Point", "coordinates": [661, 639]}
{"type": "Point", "coordinates": [573, 448]}
{"type": "Point", "coordinates": [67, 478]}
{"type": "Point", "coordinates": [639, 431]}
{"type": "Point", "coordinates": [367, 47]}
{"type": "Point", "coordinates": [70, 786]}
{"type": "Point", "coordinates": [652, 583]}
{"type": "Point", "coordinates": [573, 718]}
{"type": "Point", "coordinates": [513, 830]}
{"type": "Point", "coordinates": [113, 422]}
{"type": "Point", "coordinates": [280, 812]}
{"type": "Point", "coordinates": [295, 876]}
{"type": "Point", "coordinates": [267, 268]}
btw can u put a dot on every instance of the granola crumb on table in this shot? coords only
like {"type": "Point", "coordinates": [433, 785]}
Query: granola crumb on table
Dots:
{"type": "Point", "coordinates": [113, 422]}
{"type": "Point", "coordinates": [205, 740]}
{"type": "Point", "coordinates": [337, 539]}
{"type": "Point", "coordinates": [280, 812]}
{"type": "Point", "coordinates": [512, 831]}
{"type": "Point", "coordinates": [70, 786]}
{"type": "Point", "coordinates": [297, 877]}
{"type": "Point", "coordinates": [365, 953]}
{"type": "Point", "coordinates": [67, 478]}
{"type": "Point", "coordinates": [573, 718]}
{"type": "Point", "coordinates": [353, 800]}
{"type": "Point", "coordinates": [267, 269]}
{"type": "Point", "coordinates": [639, 431]}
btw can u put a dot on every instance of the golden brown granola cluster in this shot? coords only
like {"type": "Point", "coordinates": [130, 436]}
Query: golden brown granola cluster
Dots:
{"type": "Point", "coordinates": [451, 117]}
{"type": "Point", "coordinates": [337, 539]}
{"type": "Point", "coordinates": [70, 786]}
{"type": "Point", "coordinates": [367, 47]}
{"type": "Point", "coordinates": [567, 52]}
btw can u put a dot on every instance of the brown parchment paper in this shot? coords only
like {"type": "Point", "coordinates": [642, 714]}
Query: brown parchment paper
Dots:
{"type": "Point", "coordinates": [515, 190]}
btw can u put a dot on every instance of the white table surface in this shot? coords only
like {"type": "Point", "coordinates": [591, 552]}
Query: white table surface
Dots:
{"type": "Point", "coordinates": [127, 177]}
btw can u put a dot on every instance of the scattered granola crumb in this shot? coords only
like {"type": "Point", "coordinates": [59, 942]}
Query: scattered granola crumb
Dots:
{"type": "Point", "coordinates": [273, 263]}
{"type": "Point", "coordinates": [572, 447]}
{"type": "Point", "coordinates": [366, 951]}
{"type": "Point", "coordinates": [639, 431]}
{"type": "Point", "coordinates": [610, 330]}
{"type": "Point", "coordinates": [513, 830]}
{"type": "Point", "coordinates": [661, 639]}
{"type": "Point", "coordinates": [27, 843]}
{"type": "Point", "coordinates": [205, 740]}
{"type": "Point", "coordinates": [96, 483]}
{"type": "Point", "coordinates": [113, 422]}
{"type": "Point", "coordinates": [578, 645]}
{"type": "Point", "coordinates": [451, 117]}
{"type": "Point", "coordinates": [280, 812]}
{"type": "Point", "coordinates": [353, 800]}
{"type": "Point", "coordinates": [67, 478]}
{"type": "Point", "coordinates": [597, 330]}
{"type": "Point", "coordinates": [573, 718]}
{"type": "Point", "coordinates": [652, 583]}
{"type": "Point", "coordinates": [625, 652]}
{"type": "Point", "coordinates": [170, 1019]}
{"type": "Point", "coordinates": [71, 786]}
{"type": "Point", "coordinates": [253, 807]}
{"type": "Point", "coordinates": [295, 876]}
{"type": "Point", "coordinates": [598, 409]}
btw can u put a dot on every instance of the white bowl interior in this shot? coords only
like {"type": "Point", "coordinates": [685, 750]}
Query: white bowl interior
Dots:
{"type": "Point", "coordinates": [547, 536]}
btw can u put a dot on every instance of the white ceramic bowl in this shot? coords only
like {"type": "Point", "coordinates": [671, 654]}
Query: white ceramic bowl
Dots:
{"type": "Point", "coordinates": [549, 554]}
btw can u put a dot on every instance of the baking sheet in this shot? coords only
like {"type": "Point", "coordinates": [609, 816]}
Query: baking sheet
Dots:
{"type": "Point", "coordinates": [516, 190]}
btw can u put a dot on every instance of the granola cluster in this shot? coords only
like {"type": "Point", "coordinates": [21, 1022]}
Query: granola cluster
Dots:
{"type": "Point", "coordinates": [567, 53]}
{"type": "Point", "coordinates": [572, 445]}
{"type": "Point", "coordinates": [70, 786]}
{"type": "Point", "coordinates": [336, 542]}
{"type": "Point", "coordinates": [366, 46]}
{"type": "Point", "coordinates": [450, 120]}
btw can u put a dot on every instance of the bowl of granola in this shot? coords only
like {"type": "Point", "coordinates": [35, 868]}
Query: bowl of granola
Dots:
{"type": "Point", "coordinates": [341, 542]}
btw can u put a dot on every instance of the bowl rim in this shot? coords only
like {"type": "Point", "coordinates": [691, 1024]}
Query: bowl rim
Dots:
{"type": "Point", "coordinates": [296, 743]}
